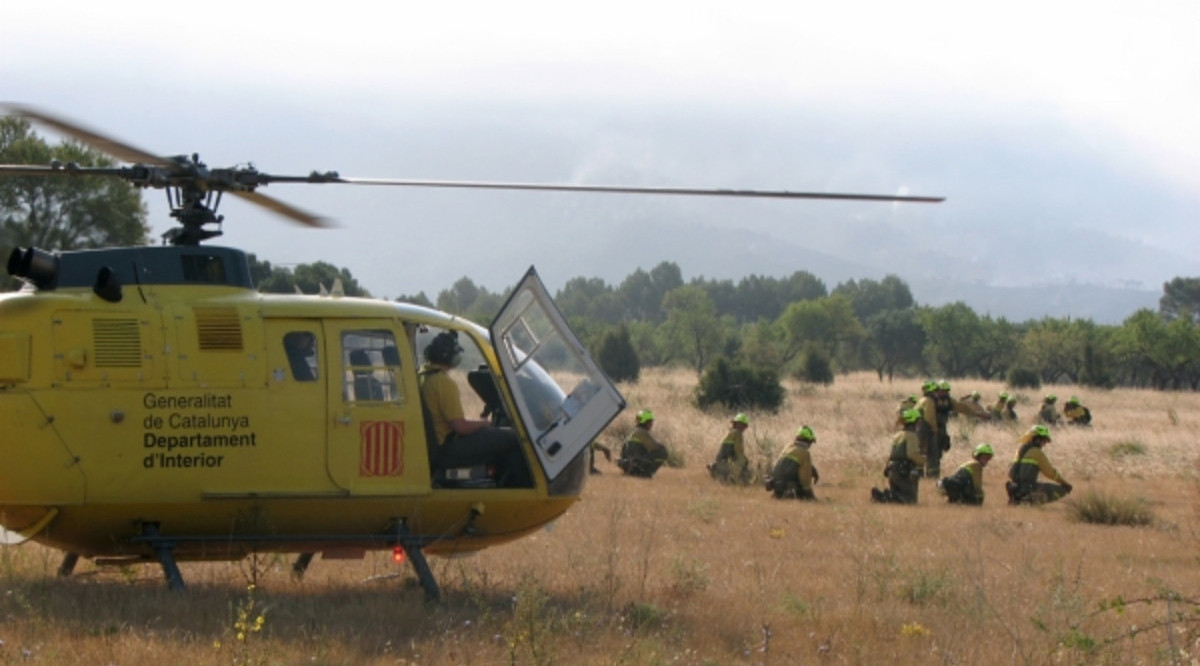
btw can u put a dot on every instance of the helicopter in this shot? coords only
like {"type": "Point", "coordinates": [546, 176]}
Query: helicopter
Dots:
{"type": "Point", "coordinates": [157, 408]}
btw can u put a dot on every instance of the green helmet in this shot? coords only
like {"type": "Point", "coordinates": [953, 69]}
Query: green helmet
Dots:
{"type": "Point", "coordinates": [975, 395]}
{"type": "Point", "coordinates": [911, 415]}
{"type": "Point", "coordinates": [645, 416]}
{"type": "Point", "coordinates": [1004, 396]}
{"type": "Point", "coordinates": [742, 419]}
{"type": "Point", "coordinates": [805, 434]}
{"type": "Point", "coordinates": [983, 450]}
{"type": "Point", "coordinates": [1072, 400]}
{"type": "Point", "coordinates": [943, 385]}
{"type": "Point", "coordinates": [1040, 431]}
{"type": "Point", "coordinates": [1050, 397]}
{"type": "Point", "coordinates": [928, 386]}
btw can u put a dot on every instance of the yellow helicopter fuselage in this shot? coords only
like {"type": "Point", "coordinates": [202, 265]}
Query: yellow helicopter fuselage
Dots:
{"type": "Point", "coordinates": [176, 404]}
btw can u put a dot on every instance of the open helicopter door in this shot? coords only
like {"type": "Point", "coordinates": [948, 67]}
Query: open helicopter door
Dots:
{"type": "Point", "coordinates": [563, 397]}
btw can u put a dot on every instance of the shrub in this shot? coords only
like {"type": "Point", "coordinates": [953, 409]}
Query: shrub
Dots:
{"type": "Point", "coordinates": [617, 356]}
{"type": "Point", "coordinates": [1020, 377]}
{"type": "Point", "coordinates": [739, 386]}
{"type": "Point", "coordinates": [816, 366]}
{"type": "Point", "coordinates": [1101, 509]}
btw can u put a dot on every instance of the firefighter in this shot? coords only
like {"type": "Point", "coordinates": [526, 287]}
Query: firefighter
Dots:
{"type": "Point", "coordinates": [904, 464]}
{"type": "Point", "coordinates": [1047, 415]}
{"type": "Point", "coordinates": [731, 465]}
{"type": "Point", "coordinates": [1004, 409]}
{"type": "Point", "coordinates": [926, 426]}
{"type": "Point", "coordinates": [642, 454]}
{"type": "Point", "coordinates": [1023, 486]}
{"type": "Point", "coordinates": [908, 403]}
{"type": "Point", "coordinates": [1075, 413]}
{"type": "Point", "coordinates": [943, 406]}
{"type": "Point", "coordinates": [965, 485]}
{"type": "Point", "coordinates": [793, 475]}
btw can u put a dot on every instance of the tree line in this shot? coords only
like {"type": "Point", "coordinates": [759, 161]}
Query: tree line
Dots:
{"type": "Point", "coordinates": [798, 327]}
{"type": "Point", "coordinates": [746, 331]}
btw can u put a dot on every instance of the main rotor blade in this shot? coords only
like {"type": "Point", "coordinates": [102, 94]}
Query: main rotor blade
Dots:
{"type": "Point", "coordinates": [96, 140]}
{"type": "Point", "coordinates": [287, 210]}
{"type": "Point", "coordinates": [621, 189]}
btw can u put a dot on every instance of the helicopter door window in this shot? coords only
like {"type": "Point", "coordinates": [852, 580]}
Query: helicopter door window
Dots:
{"type": "Point", "coordinates": [301, 347]}
{"type": "Point", "coordinates": [372, 366]}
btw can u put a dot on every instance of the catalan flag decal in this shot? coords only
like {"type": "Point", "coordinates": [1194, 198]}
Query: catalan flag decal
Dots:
{"type": "Point", "coordinates": [381, 448]}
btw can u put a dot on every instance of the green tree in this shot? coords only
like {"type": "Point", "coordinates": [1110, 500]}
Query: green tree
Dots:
{"type": "Point", "coordinates": [870, 297]}
{"type": "Point", "coordinates": [829, 323]}
{"type": "Point", "coordinates": [895, 339]}
{"type": "Point", "coordinates": [1139, 345]}
{"type": "Point", "coordinates": [1054, 348]}
{"type": "Point", "coordinates": [305, 278]}
{"type": "Point", "coordinates": [471, 301]}
{"type": "Point", "coordinates": [951, 332]}
{"type": "Point", "coordinates": [64, 212]}
{"type": "Point", "coordinates": [617, 356]}
{"type": "Point", "coordinates": [641, 293]}
{"type": "Point", "coordinates": [692, 327]}
{"type": "Point", "coordinates": [763, 344]}
{"type": "Point", "coordinates": [589, 298]}
{"type": "Point", "coordinates": [996, 347]}
{"type": "Point", "coordinates": [1181, 299]}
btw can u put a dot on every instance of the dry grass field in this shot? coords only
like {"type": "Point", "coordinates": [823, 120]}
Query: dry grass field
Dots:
{"type": "Point", "coordinates": [680, 570]}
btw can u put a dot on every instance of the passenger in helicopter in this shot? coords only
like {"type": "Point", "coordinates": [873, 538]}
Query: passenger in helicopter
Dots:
{"type": "Point", "coordinates": [301, 348]}
{"type": "Point", "coordinates": [465, 442]}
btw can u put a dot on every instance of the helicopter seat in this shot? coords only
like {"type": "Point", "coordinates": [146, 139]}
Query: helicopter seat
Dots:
{"type": "Point", "coordinates": [366, 385]}
{"type": "Point", "coordinates": [473, 476]}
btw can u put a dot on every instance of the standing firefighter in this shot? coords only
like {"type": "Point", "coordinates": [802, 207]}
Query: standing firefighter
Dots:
{"type": "Point", "coordinates": [944, 406]}
{"type": "Point", "coordinates": [731, 465]}
{"type": "Point", "coordinates": [906, 404]}
{"type": "Point", "coordinates": [904, 464]}
{"type": "Point", "coordinates": [642, 455]}
{"type": "Point", "coordinates": [794, 475]}
{"type": "Point", "coordinates": [926, 426]}
{"type": "Point", "coordinates": [1076, 413]}
{"type": "Point", "coordinates": [1023, 486]}
{"type": "Point", "coordinates": [965, 485]}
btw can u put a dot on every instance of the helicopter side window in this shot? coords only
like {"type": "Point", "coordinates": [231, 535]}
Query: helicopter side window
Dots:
{"type": "Point", "coordinates": [372, 366]}
{"type": "Point", "coordinates": [301, 348]}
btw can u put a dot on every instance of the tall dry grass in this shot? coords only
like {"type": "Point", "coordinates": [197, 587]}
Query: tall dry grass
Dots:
{"type": "Point", "coordinates": [681, 570]}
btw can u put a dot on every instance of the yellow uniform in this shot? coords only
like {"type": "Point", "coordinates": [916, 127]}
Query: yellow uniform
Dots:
{"type": "Point", "coordinates": [442, 399]}
{"type": "Point", "coordinates": [792, 476]}
{"type": "Point", "coordinates": [731, 465]}
{"type": "Point", "coordinates": [642, 455]}
{"type": "Point", "coordinates": [1023, 486]}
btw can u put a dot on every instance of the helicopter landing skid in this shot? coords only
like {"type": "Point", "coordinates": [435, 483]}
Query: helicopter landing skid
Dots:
{"type": "Point", "coordinates": [412, 550]}
{"type": "Point", "coordinates": [398, 535]}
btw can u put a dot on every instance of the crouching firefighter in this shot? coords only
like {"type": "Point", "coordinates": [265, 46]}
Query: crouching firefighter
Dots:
{"type": "Point", "coordinates": [731, 465]}
{"type": "Point", "coordinates": [642, 454]}
{"type": "Point", "coordinates": [1031, 460]}
{"type": "Point", "coordinates": [793, 475]}
{"type": "Point", "coordinates": [903, 470]}
{"type": "Point", "coordinates": [965, 485]}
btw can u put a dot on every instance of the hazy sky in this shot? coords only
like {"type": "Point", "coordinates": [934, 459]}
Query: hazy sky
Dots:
{"type": "Point", "coordinates": [354, 86]}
